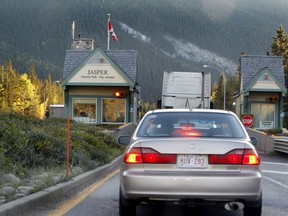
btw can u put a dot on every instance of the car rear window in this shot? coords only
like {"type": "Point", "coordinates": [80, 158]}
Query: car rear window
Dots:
{"type": "Point", "coordinates": [191, 124]}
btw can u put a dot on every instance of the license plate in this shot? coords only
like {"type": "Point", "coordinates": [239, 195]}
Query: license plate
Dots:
{"type": "Point", "coordinates": [192, 161]}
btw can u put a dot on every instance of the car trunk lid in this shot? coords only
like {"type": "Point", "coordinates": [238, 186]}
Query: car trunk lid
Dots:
{"type": "Point", "coordinates": [193, 154]}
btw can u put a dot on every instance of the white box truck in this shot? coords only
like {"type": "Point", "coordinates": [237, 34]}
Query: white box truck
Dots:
{"type": "Point", "coordinates": [186, 90]}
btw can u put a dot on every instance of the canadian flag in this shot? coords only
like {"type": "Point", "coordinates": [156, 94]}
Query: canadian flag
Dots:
{"type": "Point", "coordinates": [110, 28]}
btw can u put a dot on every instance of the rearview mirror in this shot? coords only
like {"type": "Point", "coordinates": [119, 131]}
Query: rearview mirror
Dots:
{"type": "Point", "coordinates": [253, 140]}
{"type": "Point", "coordinates": [124, 140]}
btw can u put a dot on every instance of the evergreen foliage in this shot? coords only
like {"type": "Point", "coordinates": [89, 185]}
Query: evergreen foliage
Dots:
{"type": "Point", "coordinates": [37, 32]}
{"type": "Point", "coordinates": [144, 108]}
{"type": "Point", "coordinates": [25, 94]}
{"type": "Point", "coordinates": [279, 46]}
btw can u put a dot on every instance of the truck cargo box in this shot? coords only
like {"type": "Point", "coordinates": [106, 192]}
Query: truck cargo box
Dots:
{"type": "Point", "coordinates": [184, 90]}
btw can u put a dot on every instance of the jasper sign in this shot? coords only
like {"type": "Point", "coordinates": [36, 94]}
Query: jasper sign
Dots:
{"type": "Point", "coordinates": [247, 120]}
{"type": "Point", "coordinates": [97, 74]}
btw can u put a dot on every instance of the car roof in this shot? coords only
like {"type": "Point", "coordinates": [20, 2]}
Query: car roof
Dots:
{"type": "Point", "coordinates": [189, 110]}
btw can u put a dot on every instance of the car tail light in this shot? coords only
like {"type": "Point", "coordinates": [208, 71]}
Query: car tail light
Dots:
{"type": "Point", "coordinates": [237, 156]}
{"type": "Point", "coordinates": [134, 156]}
{"type": "Point", "coordinates": [148, 155]}
{"type": "Point", "coordinates": [251, 158]}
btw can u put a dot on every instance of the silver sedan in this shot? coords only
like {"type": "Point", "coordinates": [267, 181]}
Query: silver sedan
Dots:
{"type": "Point", "coordinates": [190, 157]}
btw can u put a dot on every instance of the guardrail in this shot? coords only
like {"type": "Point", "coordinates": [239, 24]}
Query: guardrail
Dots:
{"type": "Point", "coordinates": [281, 145]}
{"type": "Point", "coordinates": [265, 143]}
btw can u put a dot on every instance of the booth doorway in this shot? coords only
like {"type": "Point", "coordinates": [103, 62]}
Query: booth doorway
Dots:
{"type": "Point", "coordinates": [113, 111]}
{"type": "Point", "coordinates": [264, 115]}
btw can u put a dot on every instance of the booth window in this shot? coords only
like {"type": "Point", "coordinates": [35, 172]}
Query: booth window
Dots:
{"type": "Point", "coordinates": [113, 110]}
{"type": "Point", "coordinates": [84, 110]}
{"type": "Point", "coordinates": [264, 115]}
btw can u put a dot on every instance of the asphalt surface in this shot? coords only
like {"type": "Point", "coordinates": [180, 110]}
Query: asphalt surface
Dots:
{"type": "Point", "coordinates": [104, 200]}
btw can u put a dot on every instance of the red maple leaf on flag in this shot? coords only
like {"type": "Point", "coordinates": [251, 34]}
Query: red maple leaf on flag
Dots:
{"type": "Point", "coordinates": [110, 28]}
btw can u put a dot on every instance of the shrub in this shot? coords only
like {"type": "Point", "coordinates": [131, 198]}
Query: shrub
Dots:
{"type": "Point", "coordinates": [274, 131]}
{"type": "Point", "coordinates": [26, 144]}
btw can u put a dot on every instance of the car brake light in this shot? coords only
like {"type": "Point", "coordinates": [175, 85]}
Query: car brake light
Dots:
{"type": "Point", "coordinates": [237, 156]}
{"type": "Point", "coordinates": [193, 134]}
{"type": "Point", "coordinates": [133, 156]}
{"type": "Point", "coordinates": [186, 132]}
{"type": "Point", "coordinates": [148, 155]}
{"type": "Point", "coordinates": [251, 158]}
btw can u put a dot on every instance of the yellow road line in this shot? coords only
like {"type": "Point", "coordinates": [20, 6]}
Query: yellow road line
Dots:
{"type": "Point", "coordinates": [71, 203]}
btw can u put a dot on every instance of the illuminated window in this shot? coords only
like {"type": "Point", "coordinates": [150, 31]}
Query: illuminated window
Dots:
{"type": "Point", "coordinates": [113, 110]}
{"type": "Point", "coordinates": [84, 110]}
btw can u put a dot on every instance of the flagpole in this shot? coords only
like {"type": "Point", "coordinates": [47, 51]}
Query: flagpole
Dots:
{"type": "Point", "coordinates": [73, 30]}
{"type": "Point", "coordinates": [108, 35]}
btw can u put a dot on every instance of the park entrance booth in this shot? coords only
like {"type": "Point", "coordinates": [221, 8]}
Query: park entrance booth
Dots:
{"type": "Point", "coordinates": [261, 91]}
{"type": "Point", "coordinates": [100, 86]}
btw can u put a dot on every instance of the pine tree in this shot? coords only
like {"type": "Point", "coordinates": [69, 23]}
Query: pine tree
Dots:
{"type": "Point", "coordinates": [217, 104]}
{"type": "Point", "coordinates": [27, 96]}
{"type": "Point", "coordinates": [36, 107]}
{"type": "Point", "coordinates": [32, 75]}
{"type": "Point", "coordinates": [218, 94]}
{"type": "Point", "coordinates": [12, 92]}
{"type": "Point", "coordinates": [53, 93]}
{"type": "Point", "coordinates": [231, 88]}
{"type": "Point", "coordinates": [3, 102]}
{"type": "Point", "coordinates": [279, 47]}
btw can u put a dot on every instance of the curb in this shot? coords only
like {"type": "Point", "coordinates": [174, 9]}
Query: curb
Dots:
{"type": "Point", "coordinates": [78, 183]}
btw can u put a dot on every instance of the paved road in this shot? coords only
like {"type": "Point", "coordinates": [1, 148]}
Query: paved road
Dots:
{"type": "Point", "coordinates": [104, 202]}
{"type": "Point", "coordinates": [102, 198]}
{"type": "Point", "coordinates": [275, 184]}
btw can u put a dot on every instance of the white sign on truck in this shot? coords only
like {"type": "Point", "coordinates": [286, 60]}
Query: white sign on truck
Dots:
{"type": "Point", "coordinates": [186, 90]}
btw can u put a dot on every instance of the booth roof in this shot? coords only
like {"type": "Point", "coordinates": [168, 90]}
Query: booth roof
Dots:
{"type": "Point", "coordinates": [250, 65]}
{"type": "Point", "coordinates": [126, 60]}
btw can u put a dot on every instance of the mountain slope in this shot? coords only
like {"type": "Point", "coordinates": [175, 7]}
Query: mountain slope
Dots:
{"type": "Point", "coordinates": [169, 35]}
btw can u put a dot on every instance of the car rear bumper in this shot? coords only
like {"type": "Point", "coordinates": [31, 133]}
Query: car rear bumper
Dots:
{"type": "Point", "coordinates": [139, 185]}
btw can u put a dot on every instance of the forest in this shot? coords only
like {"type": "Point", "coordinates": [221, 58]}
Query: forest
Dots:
{"type": "Point", "coordinates": [209, 32]}
{"type": "Point", "coordinates": [25, 94]}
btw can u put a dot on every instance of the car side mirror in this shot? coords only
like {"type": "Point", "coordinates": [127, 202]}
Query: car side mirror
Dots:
{"type": "Point", "coordinates": [253, 140]}
{"type": "Point", "coordinates": [124, 140]}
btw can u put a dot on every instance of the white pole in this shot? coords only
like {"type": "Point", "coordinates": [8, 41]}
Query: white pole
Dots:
{"type": "Point", "coordinates": [108, 33]}
{"type": "Point", "coordinates": [224, 83]}
{"type": "Point", "coordinates": [202, 90]}
{"type": "Point", "coordinates": [73, 30]}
